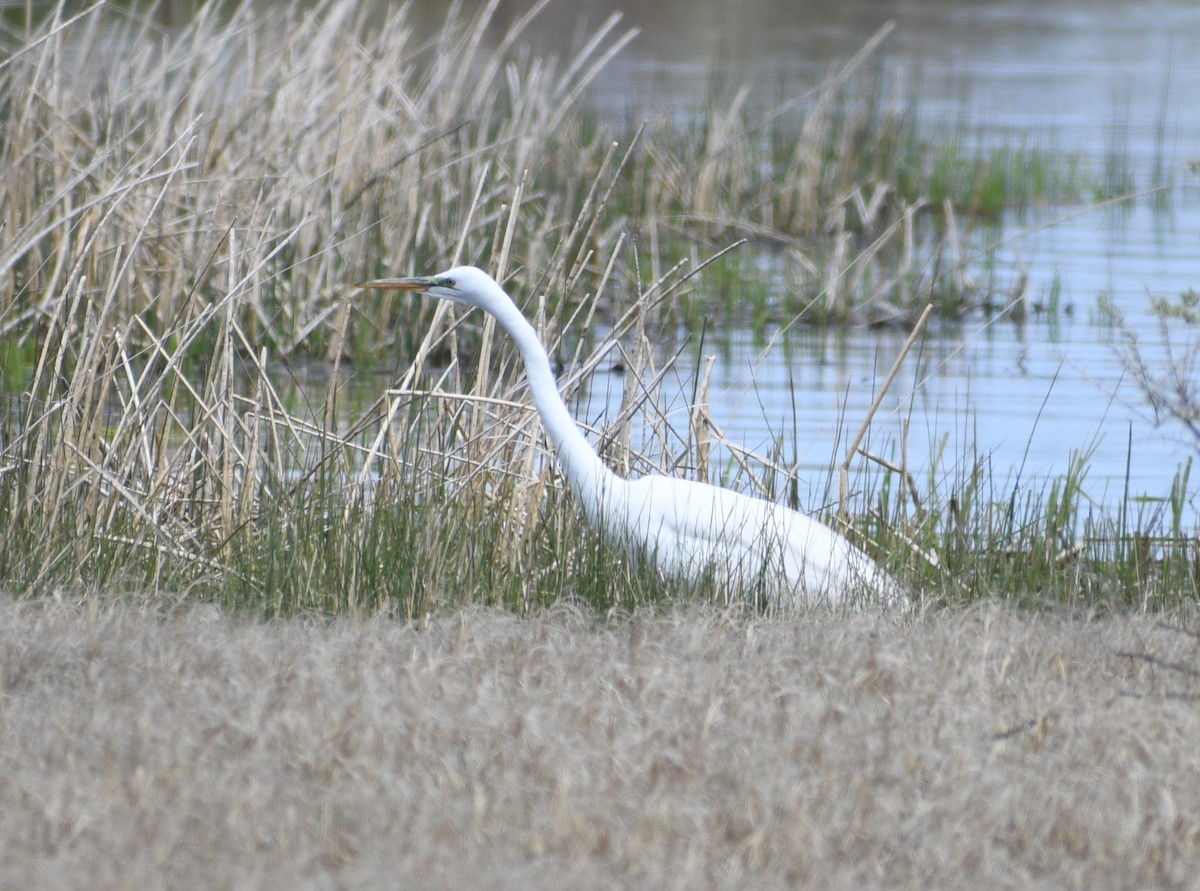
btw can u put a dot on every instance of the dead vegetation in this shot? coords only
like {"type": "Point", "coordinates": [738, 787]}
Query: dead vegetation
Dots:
{"type": "Point", "coordinates": [185, 214]}
{"type": "Point", "coordinates": [179, 227]}
{"type": "Point", "coordinates": [980, 748]}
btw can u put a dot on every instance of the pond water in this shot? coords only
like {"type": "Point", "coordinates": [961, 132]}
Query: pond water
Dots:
{"type": "Point", "coordinates": [1118, 82]}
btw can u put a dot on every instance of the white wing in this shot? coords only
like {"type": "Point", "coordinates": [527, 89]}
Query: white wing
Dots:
{"type": "Point", "coordinates": [689, 529]}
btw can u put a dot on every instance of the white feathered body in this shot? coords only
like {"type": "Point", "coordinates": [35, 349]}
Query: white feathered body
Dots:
{"type": "Point", "coordinates": [688, 530]}
{"type": "Point", "coordinates": [694, 531]}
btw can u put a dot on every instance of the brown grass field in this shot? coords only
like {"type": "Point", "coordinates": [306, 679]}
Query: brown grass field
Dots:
{"type": "Point", "coordinates": [984, 747]}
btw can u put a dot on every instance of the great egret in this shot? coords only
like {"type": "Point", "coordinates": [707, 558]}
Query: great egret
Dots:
{"type": "Point", "coordinates": [686, 529]}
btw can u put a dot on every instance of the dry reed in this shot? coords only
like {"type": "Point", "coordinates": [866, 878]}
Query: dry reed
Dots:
{"type": "Point", "coordinates": [185, 215]}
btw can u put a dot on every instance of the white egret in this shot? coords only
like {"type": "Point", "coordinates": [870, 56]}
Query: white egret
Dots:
{"type": "Point", "coordinates": [686, 529]}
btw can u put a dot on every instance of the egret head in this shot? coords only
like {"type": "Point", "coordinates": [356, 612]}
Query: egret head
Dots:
{"type": "Point", "coordinates": [463, 284]}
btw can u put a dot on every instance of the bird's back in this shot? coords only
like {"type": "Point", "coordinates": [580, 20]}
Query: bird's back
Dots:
{"type": "Point", "coordinates": [693, 530]}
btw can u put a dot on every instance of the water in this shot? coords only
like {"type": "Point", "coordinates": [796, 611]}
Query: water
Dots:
{"type": "Point", "coordinates": [1028, 397]}
{"type": "Point", "coordinates": [1117, 82]}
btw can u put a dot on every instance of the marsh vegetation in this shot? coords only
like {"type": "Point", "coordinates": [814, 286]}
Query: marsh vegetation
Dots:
{"type": "Point", "coordinates": [261, 627]}
{"type": "Point", "coordinates": [182, 232]}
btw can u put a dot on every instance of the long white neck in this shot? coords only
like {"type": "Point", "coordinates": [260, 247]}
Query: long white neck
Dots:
{"type": "Point", "coordinates": [586, 473]}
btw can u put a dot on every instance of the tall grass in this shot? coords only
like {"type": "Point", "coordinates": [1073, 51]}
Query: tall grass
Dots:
{"type": "Point", "coordinates": [184, 214]}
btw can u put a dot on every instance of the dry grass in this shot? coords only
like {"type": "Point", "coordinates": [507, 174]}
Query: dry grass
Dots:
{"type": "Point", "coordinates": [983, 748]}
